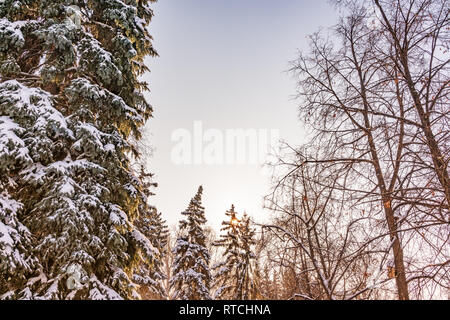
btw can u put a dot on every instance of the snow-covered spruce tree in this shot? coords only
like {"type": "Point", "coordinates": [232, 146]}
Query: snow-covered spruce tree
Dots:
{"type": "Point", "coordinates": [249, 271]}
{"type": "Point", "coordinates": [149, 273]}
{"type": "Point", "coordinates": [70, 103]}
{"type": "Point", "coordinates": [191, 277]}
{"type": "Point", "coordinates": [235, 277]}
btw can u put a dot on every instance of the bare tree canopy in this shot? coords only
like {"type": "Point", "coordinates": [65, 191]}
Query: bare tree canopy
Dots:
{"type": "Point", "coordinates": [370, 189]}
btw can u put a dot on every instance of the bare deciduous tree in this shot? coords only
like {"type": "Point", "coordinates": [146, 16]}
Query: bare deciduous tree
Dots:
{"type": "Point", "coordinates": [374, 97]}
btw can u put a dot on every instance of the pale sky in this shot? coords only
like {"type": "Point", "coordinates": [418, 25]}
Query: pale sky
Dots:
{"type": "Point", "coordinates": [223, 63]}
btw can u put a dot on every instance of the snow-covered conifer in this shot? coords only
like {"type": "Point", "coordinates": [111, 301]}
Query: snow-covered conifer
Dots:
{"type": "Point", "coordinates": [149, 273]}
{"type": "Point", "coordinates": [70, 103]}
{"type": "Point", "coordinates": [235, 276]}
{"type": "Point", "coordinates": [191, 277]}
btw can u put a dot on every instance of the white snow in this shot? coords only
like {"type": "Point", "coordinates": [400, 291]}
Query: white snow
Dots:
{"type": "Point", "coordinates": [6, 242]}
{"type": "Point", "coordinates": [8, 136]}
{"type": "Point", "coordinates": [13, 30]}
{"type": "Point", "coordinates": [40, 108]}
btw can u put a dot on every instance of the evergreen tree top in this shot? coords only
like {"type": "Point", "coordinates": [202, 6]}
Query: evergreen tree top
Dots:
{"type": "Point", "coordinates": [234, 275]}
{"type": "Point", "coordinates": [191, 276]}
{"type": "Point", "coordinates": [195, 219]}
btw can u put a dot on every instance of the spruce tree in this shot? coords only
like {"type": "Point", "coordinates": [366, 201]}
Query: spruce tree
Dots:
{"type": "Point", "coordinates": [248, 285]}
{"type": "Point", "coordinates": [235, 277]}
{"type": "Point", "coordinates": [149, 273]}
{"type": "Point", "coordinates": [70, 105]}
{"type": "Point", "coordinates": [191, 277]}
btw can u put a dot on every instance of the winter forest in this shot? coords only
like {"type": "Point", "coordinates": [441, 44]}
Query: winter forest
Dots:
{"type": "Point", "coordinates": [359, 209]}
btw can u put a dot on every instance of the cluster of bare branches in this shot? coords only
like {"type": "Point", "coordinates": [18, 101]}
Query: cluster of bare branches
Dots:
{"type": "Point", "coordinates": [362, 209]}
